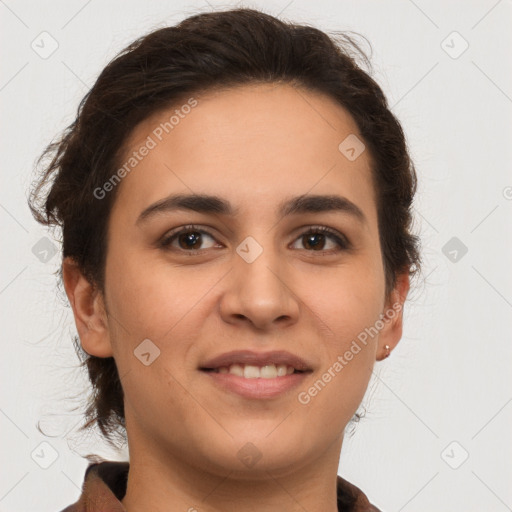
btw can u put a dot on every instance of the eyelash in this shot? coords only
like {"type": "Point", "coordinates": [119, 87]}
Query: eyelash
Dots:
{"type": "Point", "coordinates": [340, 239]}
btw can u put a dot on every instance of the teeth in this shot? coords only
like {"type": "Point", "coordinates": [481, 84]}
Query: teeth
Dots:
{"type": "Point", "coordinates": [248, 371]}
{"type": "Point", "coordinates": [236, 369]}
{"type": "Point", "coordinates": [251, 372]}
{"type": "Point", "coordinates": [268, 372]}
{"type": "Point", "coordinates": [281, 370]}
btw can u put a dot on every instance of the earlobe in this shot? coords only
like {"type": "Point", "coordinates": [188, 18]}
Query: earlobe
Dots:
{"type": "Point", "coordinates": [88, 310]}
{"type": "Point", "coordinates": [391, 333]}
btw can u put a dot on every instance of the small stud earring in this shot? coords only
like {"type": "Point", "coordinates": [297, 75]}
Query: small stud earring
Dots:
{"type": "Point", "coordinates": [388, 352]}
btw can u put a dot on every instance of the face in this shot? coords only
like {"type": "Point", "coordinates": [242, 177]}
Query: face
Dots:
{"type": "Point", "coordinates": [213, 303]}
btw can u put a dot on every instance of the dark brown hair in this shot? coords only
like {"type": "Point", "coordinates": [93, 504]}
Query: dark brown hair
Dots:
{"type": "Point", "coordinates": [206, 52]}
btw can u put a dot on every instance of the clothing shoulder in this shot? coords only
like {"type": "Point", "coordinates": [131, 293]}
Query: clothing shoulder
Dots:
{"type": "Point", "coordinates": [353, 499]}
{"type": "Point", "coordinates": [103, 489]}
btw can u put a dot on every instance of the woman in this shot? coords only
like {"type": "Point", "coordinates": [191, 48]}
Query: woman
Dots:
{"type": "Point", "coordinates": [235, 199]}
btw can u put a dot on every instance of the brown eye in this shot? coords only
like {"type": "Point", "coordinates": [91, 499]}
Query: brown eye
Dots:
{"type": "Point", "coordinates": [192, 239]}
{"type": "Point", "coordinates": [187, 239]}
{"type": "Point", "coordinates": [316, 239]}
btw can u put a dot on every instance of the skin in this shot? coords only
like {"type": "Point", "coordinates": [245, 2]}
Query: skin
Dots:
{"type": "Point", "coordinates": [254, 146]}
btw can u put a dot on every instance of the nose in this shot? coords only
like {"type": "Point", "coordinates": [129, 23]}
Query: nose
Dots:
{"type": "Point", "coordinates": [259, 293]}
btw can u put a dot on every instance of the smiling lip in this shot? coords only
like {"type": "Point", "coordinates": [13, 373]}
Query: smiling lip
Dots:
{"type": "Point", "coordinates": [256, 388]}
{"type": "Point", "coordinates": [257, 359]}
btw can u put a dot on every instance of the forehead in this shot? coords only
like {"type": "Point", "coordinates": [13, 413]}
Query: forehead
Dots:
{"type": "Point", "coordinates": [262, 141]}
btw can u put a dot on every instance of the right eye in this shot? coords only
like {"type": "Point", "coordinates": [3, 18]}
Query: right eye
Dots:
{"type": "Point", "coordinates": [188, 239]}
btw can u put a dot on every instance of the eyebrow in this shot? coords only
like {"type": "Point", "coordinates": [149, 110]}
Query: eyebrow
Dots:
{"type": "Point", "coordinates": [203, 203]}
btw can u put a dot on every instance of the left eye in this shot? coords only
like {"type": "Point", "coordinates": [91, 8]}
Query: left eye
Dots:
{"type": "Point", "coordinates": [316, 238]}
{"type": "Point", "coordinates": [190, 239]}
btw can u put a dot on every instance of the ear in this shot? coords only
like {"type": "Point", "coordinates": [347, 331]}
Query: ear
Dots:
{"type": "Point", "coordinates": [392, 317]}
{"type": "Point", "coordinates": [88, 309]}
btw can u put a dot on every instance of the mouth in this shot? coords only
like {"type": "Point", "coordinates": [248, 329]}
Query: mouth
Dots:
{"type": "Point", "coordinates": [256, 375]}
{"type": "Point", "coordinates": [249, 371]}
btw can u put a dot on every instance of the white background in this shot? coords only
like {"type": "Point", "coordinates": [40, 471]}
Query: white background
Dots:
{"type": "Point", "coordinates": [449, 378]}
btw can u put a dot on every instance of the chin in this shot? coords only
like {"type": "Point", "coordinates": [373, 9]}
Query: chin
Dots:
{"type": "Point", "coordinates": [255, 454]}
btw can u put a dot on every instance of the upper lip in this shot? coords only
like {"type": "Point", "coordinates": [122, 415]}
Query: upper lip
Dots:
{"type": "Point", "coordinates": [257, 359]}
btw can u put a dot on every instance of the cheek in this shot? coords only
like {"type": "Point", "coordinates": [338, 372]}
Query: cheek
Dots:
{"type": "Point", "coordinates": [347, 300]}
{"type": "Point", "coordinates": [348, 358]}
{"type": "Point", "coordinates": [349, 307]}
{"type": "Point", "coordinates": [149, 297]}
{"type": "Point", "coordinates": [165, 304]}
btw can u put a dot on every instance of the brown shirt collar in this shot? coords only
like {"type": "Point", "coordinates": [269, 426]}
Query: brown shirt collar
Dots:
{"type": "Point", "coordinates": [105, 486]}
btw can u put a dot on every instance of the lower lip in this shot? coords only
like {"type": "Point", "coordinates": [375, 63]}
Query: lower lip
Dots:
{"type": "Point", "coordinates": [256, 388]}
